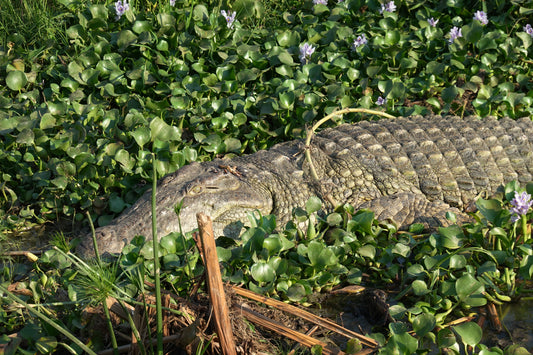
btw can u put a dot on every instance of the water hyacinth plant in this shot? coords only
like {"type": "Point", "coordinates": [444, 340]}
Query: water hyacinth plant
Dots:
{"type": "Point", "coordinates": [306, 50]}
{"type": "Point", "coordinates": [481, 16]}
{"type": "Point", "coordinates": [85, 101]}
{"type": "Point", "coordinates": [121, 6]}
{"type": "Point", "coordinates": [388, 7]}
{"type": "Point", "coordinates": [360, 41]}
{"type": "Point", "coordinates": [229, 16]}
{"type": "Point", "coordinates": [432, 22]}
{"type": "Point", "coordinates": [521, 203]}
{"type": "Point", "coordinates": [455, 33]}
{"type": "Point", "coordinates": [528, 29]}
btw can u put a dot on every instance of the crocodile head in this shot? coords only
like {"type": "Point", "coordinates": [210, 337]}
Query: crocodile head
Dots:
{"type": "Point", "coordinates": [225, 193]}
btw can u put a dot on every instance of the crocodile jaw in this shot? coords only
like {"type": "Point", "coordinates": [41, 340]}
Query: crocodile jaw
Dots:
{"type": "Point", "coordinates": [226, 196]}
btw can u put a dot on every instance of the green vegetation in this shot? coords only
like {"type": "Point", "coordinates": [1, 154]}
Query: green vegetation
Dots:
{"type": "Point", "coordinates": [86, 98]}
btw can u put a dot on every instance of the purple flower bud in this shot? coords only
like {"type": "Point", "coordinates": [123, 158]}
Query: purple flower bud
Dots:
{"type": "Point", "coordinates": [359, 41]}
{"type": "Point", "coordinates": [528, 29]}
{"type": "Point", "coordinates": [388, 7]}
{"type": "Point", "coordinates": [306, 50]}
{"type": "Point", "coordinates": [381, 101]}
{"type": "Point", "coordinates": [481, 16]}
{"type": "Point", "coordinates": [521, 204]}
{"type": "Point", "coordinates": [229, 16]}
{"type": "Point", "coordinates": [432, 22]}
{"type": "Point", "coordinates": [121, 8]}
{"type": "Point", "coordinates": [455, 33]}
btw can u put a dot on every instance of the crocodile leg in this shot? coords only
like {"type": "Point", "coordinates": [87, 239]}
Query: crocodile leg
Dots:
{"type": "Point", "coordinates": [406, 208]}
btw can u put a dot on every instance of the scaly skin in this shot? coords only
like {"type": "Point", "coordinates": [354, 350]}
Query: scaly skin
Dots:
{"type": "Point", "coordinates": [405, 169]}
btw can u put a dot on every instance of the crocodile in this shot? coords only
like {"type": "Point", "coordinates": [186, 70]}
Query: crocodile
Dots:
{"type": "Point", "coordinates": [406, 169]}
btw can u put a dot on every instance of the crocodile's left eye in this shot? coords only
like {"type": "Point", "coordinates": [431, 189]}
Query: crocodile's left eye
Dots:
{"type": "Point", "coordinates": [194, 189]}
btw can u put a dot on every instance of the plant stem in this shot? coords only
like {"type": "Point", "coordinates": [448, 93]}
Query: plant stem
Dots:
{"type": "Point", "coordinates": [311, 132]}
{"type": "Point", "coordinates": [158, 305]}
{"type": "Point", "coordinates": [110, 326]}
{"type": "Point", "coordinates": [47, 320]}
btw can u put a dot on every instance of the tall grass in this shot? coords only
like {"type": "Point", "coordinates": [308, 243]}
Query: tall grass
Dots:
{"type": "Point", "coordinates": [32, 23]}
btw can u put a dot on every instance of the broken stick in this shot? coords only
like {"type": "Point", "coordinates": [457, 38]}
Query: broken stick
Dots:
{"type": "Point", "coordinates": [215, 286]}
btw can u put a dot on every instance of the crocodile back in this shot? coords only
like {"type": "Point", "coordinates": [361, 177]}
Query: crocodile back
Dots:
{"type": "Point", "coordinates": [446, 158]}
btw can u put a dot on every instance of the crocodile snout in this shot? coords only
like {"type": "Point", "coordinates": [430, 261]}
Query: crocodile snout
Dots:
{"type": "Point", "coordinates": [108, 243]}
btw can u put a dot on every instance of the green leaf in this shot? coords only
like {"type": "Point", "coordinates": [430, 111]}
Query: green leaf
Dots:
{"type": "Point", "coordinates": [401, 343]}
{"type": "Point", "coordinates": [125, 39]}
{"type": "Point", "coordinates": [286, 100]}
{"type": "Point", "coordinates": [141, 26]}
{"type": "Point", "coordinates": [116, 204]}
{"type": "Point", "coordinates": [200, 13]}
{"type": "Point", "coordinates": [472, 32]}
{"type": "Point", "coordinates": [272, 244]}
{"type": "Point", "coordinates": [246, 75]}
{"type": "Point", "coordinates": [470, 291]}
{"type": "Point", "coordinates": [392, 37]}
{"type": "Point", "coordinates": [314, 204]}
{"type": "Point", "coordinates": [458, 261]}
{"type": "Point", "coordinates": [334, 219]}
{"type": "Point", "coordinates": [46, 344]}
{"type": "Point", "coordinates": [446, 338]}
{"type": "Point", "coordinates": [296, 292]}
{"type": "Point", "coordinates": [420, 288]}
{"type": "Point", "coordinates": [451, 237]}
{"type": "Point", "coordinates": [490, 209]}
{"type": "Point", "coordinates": [449, 94]}
{"type": "Point", "coordinates": [26, 137]}
{"type": "Point", "coordinates": [288, 38]}
{"type": "Point", "coordinates": [262, 272]}
{"type": "Point", "coordinates": [98, 11]}
{"type": "Point", "coordinates": [165, 20]}
{"type": "Point", "coordinates": [367, 251]}
{"type": "Point", "coordinates": [469, 332]}
{"type": "Point", "coordinates": [142, 135]}
{"type": "Point", "coordinates": [363, 221]}
{"type": "Point", "coordinates": [16, 80]}
{"type": "Point", "coordinates": [60, 182]}
{"type": "Point", "coordinates": [160, 130]}
{"type": "Point", "coordinates": [320, 255]}
{"type": "Point", "coordinates": [168, 242]}
{"type": "Point", "coordinates": [423, 324]}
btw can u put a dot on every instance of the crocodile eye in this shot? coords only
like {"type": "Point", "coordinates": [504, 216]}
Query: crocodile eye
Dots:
{"type": "Point", "coordinates": [194, 189]}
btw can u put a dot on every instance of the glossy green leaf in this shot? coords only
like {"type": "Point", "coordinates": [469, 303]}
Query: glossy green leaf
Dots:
{"type": "Point", "coordinates": [296, 292]}
{"type": "Point", "coordinates": [470, 291]}
{"type": "Point", "coordinates": [286, 100]}
{"type": "Point", "coordinates": [420, 288]}
{"type": "Point", "coordinates": [142, 135]}
{"type": "Point", "coordinates": [125, 39]}
{"type": "Point", "coordinates": [469, 332]}
{"type": "Point", "coordinates": [16, 80]}
{"type": "Point", "coordinates": [262, 272]}
{"type": "Point", "coordinates": [424, 323]}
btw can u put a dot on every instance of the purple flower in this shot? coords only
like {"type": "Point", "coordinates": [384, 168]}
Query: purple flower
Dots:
{"type": "Point", "coordinates": [172, 3]}
{"type": "Point", "coordinates": [388, 7]}
{"type": "Point", "coordinates": [323, 2]}
{"type": "Point", "coordinates": [481, 16]}
{"type": "Point", "coordinates": [229, 16]}
{"type": "Point", "coordinates": [359, 41]}
{"type": "Point", "coordinates": [306, 50]}
{"type": "Point", "coordinates": [381, 101]}
{"type": "Point", "coordinates": [121, 8]}
{"type": "Point", "coordinates": [455, 33]}
{"type": "Point", "coordinates": [528, 29]}
{"type": "Point", "coordinates": [521, 204]}
{"type": "Point", "coordinates": [432, 22]}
